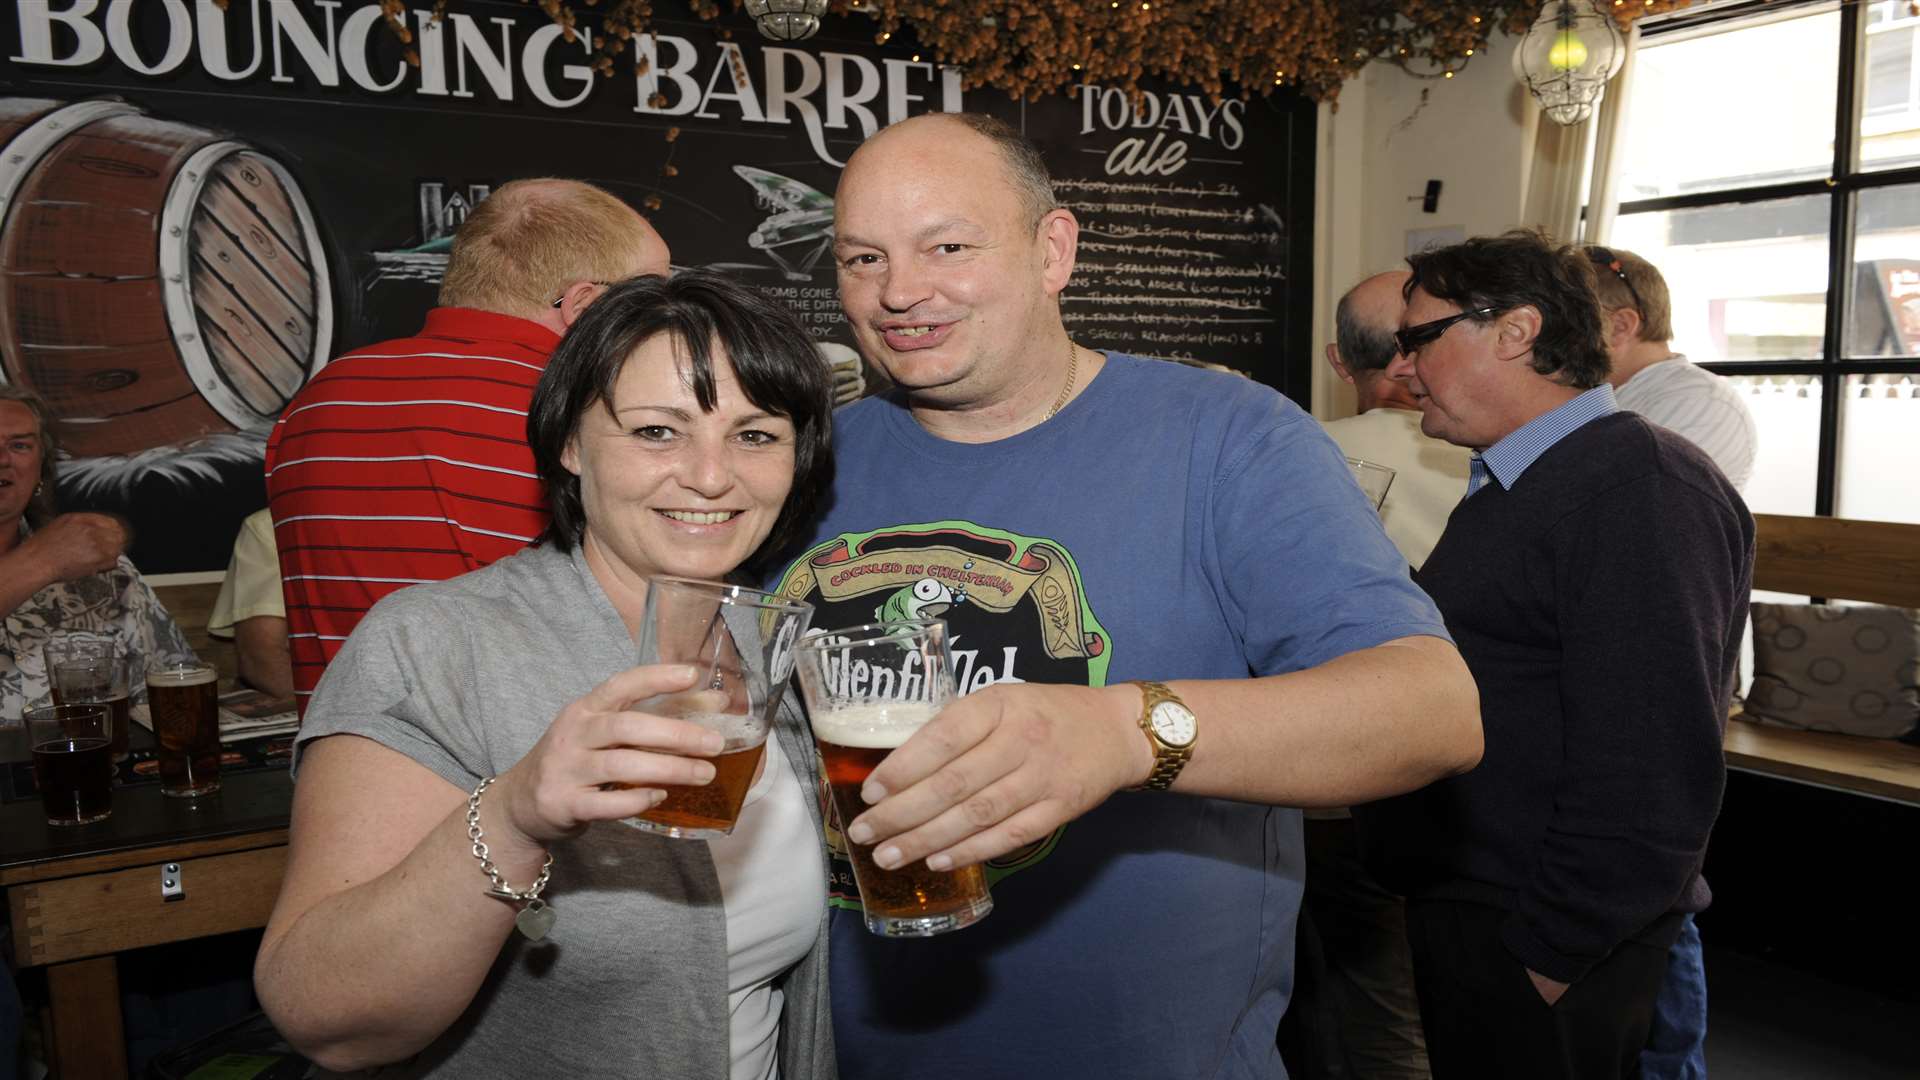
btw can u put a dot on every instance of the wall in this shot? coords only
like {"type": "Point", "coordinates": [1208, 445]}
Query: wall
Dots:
{"type": "Point", "coordinates": [1388, 135]}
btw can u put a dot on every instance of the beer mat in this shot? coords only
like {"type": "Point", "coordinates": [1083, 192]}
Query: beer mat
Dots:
{"type": "Point", "coordinates": [253, 755]}
{"type": "Point", "coordinates": [244, 714]}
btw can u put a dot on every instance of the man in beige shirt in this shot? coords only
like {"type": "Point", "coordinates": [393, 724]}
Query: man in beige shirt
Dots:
{"type": "Point", "coordinates": [1429, 475]}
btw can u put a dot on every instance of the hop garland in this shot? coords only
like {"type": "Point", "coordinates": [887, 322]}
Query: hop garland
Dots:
{"type": "Point", "coordinates": [1032, 48]}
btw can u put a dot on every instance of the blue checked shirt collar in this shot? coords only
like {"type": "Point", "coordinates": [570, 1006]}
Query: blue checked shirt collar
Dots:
{"type": "Point", "coordinates": [1505, 460]}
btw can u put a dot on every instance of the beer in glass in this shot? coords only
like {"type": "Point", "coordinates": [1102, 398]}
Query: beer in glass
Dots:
{"type": "Point", "coordinates": [868, 689]}
{"type": "Point", "coordinates": [89, 669]}
{"type": "Point", "coordinates": [184, 702]}
{"type": "Point", "coordinates": [741, 642]}
{"type": "Point", "coordinates": [73, 761]}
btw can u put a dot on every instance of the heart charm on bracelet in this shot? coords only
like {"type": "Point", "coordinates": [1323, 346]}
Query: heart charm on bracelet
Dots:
{"type": "Point", "coordinates": [534, 920]}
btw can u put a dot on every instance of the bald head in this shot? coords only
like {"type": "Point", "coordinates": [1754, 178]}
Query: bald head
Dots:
{"type": "Point", "coordinates": [531, 240]}
{"type": "Point", "coordinates": [1020, 165]}
{"type": "Point", "coordinates": [1364, 324]}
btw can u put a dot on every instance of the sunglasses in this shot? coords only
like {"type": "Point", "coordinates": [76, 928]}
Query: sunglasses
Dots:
{"type": "Point", "coordinates": [1607, 260]}
{"type": "Point", "coordinates": [1411, 339]}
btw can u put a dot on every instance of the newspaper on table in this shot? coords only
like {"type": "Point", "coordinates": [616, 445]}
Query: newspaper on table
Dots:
{"type": "Point", "coordinates": [244, 714]}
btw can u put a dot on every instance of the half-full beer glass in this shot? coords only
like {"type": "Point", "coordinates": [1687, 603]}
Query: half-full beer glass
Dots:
{"type": "Point", "coordinates": [868, 688]}
{"type": "Point", "coordinates": [183, 700]}
{"type": "Point", "coordinates": [94, 669]}
{"type": "Point", "coordinates": [741, 640]}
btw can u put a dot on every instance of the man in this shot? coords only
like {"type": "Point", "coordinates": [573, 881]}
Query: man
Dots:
{"type": "Point", "coordinates": [1355, 1013]}
{"type": "Point", "coordinates": [1594, 578]}
{"type": "Point", "coordinates": [251, 609]}
{"type": "Point", "coordinates": [406, 461]}
{"type": "Point", "coordinates": [1662, 385]}
{"type": "Point", "coordinates": [1085, 519]}
{"type": "Point", "coordinates": [1429, 475]}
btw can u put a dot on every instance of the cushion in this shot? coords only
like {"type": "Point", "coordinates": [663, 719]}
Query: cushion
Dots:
{"type": "Point", "coordinates": [1853, 670]}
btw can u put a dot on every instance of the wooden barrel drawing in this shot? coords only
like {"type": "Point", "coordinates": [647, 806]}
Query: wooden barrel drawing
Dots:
{"type": "Point", "coordinates": [158, 281]}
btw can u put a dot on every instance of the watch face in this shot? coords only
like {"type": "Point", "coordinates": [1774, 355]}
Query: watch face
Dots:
{"type": "Point", "coordinates": [1174, 723]}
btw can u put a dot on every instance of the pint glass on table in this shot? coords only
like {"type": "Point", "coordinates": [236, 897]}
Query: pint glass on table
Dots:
{"type": "Point", "coordinates": [183, 701]}
{"type": "Point", "coordinates": [868, 689]}
{"type": "Point", "coordinates": [93, 669]}
{"type": "Point", "coordinates": [72, 761]}
{"type": "Point", "coordinates": [741, 641]}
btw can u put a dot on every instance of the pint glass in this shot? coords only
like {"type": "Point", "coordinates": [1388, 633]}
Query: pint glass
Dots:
{"type": "Point", "coordinates": [868, 688]}
{"type": "Point", "coordinates": [184, 702]}
{"type": "Point", "coordinates": [1374, 480]}
{"type": "Point", "coordinates": [741, 641]}
{"type": "Point", "coordinates": [72, 761]}
{"type": "Point", "coordinates": [93, 669]}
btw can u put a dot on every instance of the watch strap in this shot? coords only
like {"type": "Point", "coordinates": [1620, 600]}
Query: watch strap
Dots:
{"type": "Point", "coordinates": [1168, 760]}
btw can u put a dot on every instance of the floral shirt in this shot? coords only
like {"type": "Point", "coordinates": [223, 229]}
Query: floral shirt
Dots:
{"type": "Point", "coordinates": [115, 602]}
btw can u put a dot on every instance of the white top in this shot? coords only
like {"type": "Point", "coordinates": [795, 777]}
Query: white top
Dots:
{"type": "Point", "coordinates": [771, 923]}
{"type": "Point", "coordinates": [1695, 403]}
{"type": "Point", "coordinates": [1429, 475]}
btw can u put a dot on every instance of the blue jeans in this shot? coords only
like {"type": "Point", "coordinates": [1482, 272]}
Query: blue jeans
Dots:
{"type": "Point", "coordinates": [1676, 1043]}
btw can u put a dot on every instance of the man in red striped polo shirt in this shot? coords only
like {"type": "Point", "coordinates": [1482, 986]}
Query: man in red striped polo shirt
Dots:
{"type": "Point", "coordinates": [406, 461]}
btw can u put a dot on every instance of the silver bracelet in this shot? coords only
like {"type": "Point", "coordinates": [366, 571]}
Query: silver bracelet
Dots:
{"type": "Point", "coordinates": [535, 917]}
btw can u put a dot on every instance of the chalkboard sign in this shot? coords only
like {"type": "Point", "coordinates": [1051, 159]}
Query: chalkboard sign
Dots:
{"type": "Point", "coordinates": [156, 123]}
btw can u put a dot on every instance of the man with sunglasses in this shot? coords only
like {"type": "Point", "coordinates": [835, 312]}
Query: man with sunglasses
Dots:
{"type": "Point", "coordinates": [1595, 578]}
{"type": "Point", "coordinates": [1662, 385]}
{"type": "Point", "coordinates": [406, 461]}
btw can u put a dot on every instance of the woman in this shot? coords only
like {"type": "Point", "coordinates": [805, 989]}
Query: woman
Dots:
{"type": "Point", "coordinates": [680, 428]}
{"type": "Point", "coordinates": [61, 573]}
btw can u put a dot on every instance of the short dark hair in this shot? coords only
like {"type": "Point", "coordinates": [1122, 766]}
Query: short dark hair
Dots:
{"type": "Point", "coordinates": [1363, 346]}
{"type": "Point", "coordinates": [40, 508]}
{"type": "Point", "coordinates": [1521, 268]}
{"type": "Point", "coordinates": [778, 367]}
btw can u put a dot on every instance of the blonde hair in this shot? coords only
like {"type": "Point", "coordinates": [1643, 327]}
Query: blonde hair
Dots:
{"type": "Point", "coordinates": [531, 239]}
{"type": "Point", "coordinates": [1653, 302]}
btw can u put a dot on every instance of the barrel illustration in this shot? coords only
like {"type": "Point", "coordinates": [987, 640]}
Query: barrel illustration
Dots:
{"type": "Point", "coordinates": [158, 281]}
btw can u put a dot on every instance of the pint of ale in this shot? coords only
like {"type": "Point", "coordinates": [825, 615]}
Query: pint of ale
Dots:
{"type": "Point", "coordinates": [183, 700]}
{"type": "Point", "coordinates": [868, 689]}
{"type": "Point", "coordinates": [72, 762]}
{"type": "Point", "coordinates": [740, 640]}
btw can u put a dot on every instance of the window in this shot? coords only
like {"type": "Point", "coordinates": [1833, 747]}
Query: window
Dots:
{"type": "Point", "coordinates": [1770, 166]}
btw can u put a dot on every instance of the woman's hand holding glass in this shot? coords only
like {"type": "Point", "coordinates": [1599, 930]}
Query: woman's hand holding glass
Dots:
{"type": "Point", "coordinates": [601, 761]}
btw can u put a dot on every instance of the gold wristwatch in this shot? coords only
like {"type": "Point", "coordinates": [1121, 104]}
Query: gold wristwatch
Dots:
{"type": "Point", "coordinates": [1171, 730]}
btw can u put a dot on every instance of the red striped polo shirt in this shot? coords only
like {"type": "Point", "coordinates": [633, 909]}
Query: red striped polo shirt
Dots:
{"type": "Point", "coordinates": [403, 462]}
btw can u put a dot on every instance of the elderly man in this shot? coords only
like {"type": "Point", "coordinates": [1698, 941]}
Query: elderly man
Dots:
{"type": "Point", "coordinates": [1595, 579]}
{"type": "Point", "coordinates": [1429, 475]}
{"type": "Point", "coordinates": [1088, 523]}
{"type": "Point", "coordinates": [406, 461]}
{"type": "Point", "coordinates": [1651, 379]}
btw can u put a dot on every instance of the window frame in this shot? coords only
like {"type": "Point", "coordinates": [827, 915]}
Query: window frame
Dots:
{"type": "Point", "coordinates": [1844, 184]}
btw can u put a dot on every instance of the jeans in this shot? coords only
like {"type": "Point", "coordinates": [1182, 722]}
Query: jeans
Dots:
{"type": "Point", "coordinates": [1676, 1043]}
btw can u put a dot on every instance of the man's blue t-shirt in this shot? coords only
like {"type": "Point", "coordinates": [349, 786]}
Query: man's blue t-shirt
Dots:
{"type": "Point", "coordinates": [1169, 523]}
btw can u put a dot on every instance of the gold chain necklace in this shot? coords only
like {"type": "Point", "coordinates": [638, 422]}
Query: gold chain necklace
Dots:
{"type": "Point", "coordinates": [1073, 367]}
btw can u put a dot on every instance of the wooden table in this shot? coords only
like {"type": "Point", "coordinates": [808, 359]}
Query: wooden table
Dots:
{"type": "Point", "coordinates": [78, 895]}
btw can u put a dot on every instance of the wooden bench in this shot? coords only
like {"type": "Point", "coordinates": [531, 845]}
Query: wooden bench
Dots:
{"type": "Point", "coordinates": [1834, 558]}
